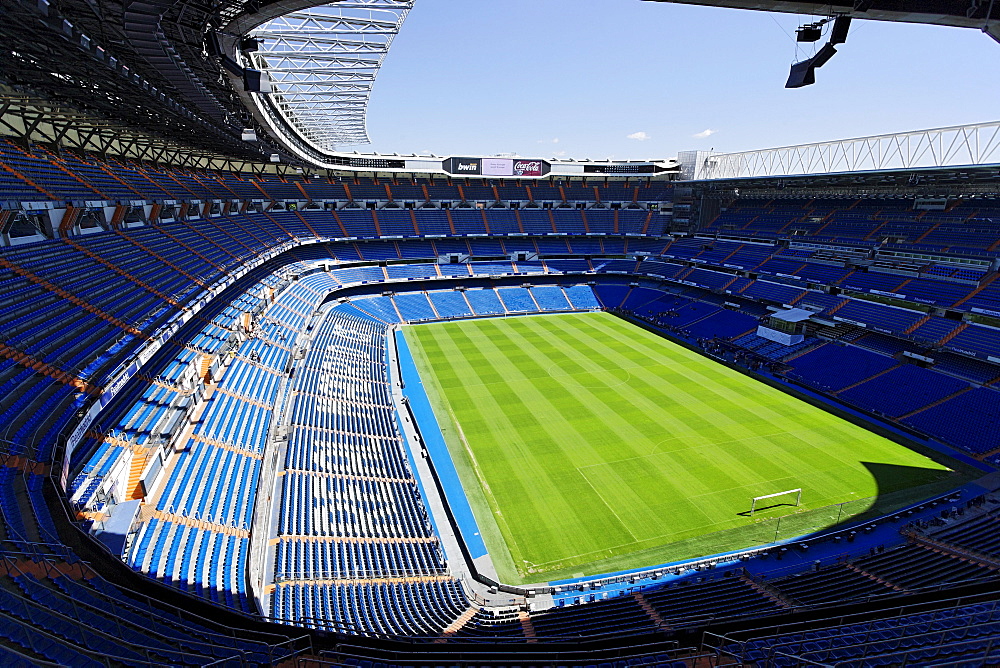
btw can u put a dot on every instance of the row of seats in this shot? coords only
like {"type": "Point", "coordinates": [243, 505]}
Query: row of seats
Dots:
{"type": "Point", "coordinates": [298, 559]}
{"type": "Point", "coordinates": [443, 304]}
{"type": "Point", "coordinates": [118, 179]}
{"type": "Point", "coordinates": [56, 611]}
{"type": "Point", "coordinates": [962, 634]}
{"type": "Point", "coordinates": [206, 563]}
{"type": "Point", "coordinates": [968, 225]}
{"type": "Point", "coordinates": [214, 478]}
{"type": "Point", "coordinates": [770, 349]}
{"type": "Point", "coordinates": [419, 608]}
{"type": "Point", "coordinates": [158, 410]}
{"type": "Point", "coordinates": [293, 309]}
{"type": "Point", "coordinates": [231, 238]}
{"type": "Point", "coordinates": [947, 401]}
{"type": "Point", "coordinates": [350, 509]}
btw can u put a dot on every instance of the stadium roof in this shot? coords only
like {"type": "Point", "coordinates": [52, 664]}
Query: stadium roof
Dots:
{"type": "Point", "coordinates": [322, 63]}
{"type": "Point", "coordinates": [969, 14]}
{"type": "Point", "coordinates": [956, 146]}
{"type": "Point", "coordinates": [171, 74]}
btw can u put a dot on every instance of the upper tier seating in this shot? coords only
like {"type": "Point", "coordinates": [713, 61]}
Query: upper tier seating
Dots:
{"type": "Point", "coordinates": [174, 262]}
{"type": "Point", "coordinates": [966, 227]}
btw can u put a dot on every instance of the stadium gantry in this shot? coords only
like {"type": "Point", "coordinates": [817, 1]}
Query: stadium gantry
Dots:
{"type": "Point", "coordinates": [321, 64]}
{"type": "Point", "coordinates": [342, 409]}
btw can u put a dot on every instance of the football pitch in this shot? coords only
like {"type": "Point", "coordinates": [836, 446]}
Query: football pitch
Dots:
{"type": "Point", "coordinates": [587, 444]}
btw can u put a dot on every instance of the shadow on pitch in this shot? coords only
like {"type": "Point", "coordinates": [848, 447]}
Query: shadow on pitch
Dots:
{"type": "Point", "coordinates": [896, 486]}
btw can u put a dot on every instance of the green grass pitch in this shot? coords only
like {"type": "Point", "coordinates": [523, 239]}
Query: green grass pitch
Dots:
{"type": "Point", "coordinates": [587, 444]}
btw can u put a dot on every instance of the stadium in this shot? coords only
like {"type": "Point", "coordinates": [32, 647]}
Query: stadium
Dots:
{"type": "Point", "coordinates": [269, 402]}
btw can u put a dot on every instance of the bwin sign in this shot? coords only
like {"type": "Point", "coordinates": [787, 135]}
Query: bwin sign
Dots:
{"type": "Point", "coordinates": [463, 166]}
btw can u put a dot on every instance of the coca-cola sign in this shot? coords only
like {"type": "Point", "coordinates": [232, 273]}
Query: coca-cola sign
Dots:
{"type": "Point", "coordinates": [527, 168]}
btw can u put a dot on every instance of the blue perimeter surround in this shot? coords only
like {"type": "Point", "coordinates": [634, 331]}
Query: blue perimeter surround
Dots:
{"type": "Point", "coordinates": [437, 449]}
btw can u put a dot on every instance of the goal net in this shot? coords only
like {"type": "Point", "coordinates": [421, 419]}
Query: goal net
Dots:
{"type": "Point", "coordinates": [756, 504]}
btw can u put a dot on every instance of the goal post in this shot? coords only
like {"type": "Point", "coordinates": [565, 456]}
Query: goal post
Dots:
{"type": "Point", "coordinates": [797, 492]}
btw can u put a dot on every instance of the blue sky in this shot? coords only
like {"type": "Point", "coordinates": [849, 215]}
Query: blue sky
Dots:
{"type": "Point", "coordinates": [575, 78]}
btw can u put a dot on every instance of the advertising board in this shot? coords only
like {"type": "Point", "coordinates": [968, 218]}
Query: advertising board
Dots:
{"type": "Point", "coordinates": [523, 167]}
{"type": "Point", "coordinates": [498, 167]}
{"type": "Point", "coordinates": [517, 167]}
{"type": "Point", "coordinates": [466, 166]}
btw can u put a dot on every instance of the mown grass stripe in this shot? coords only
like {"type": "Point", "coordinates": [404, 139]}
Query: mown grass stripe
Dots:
{"type": "Point", "coordinates": [572, 502]}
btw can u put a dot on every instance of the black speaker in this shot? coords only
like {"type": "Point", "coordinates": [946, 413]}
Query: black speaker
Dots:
{"type": "Point", "coordinates": [841, 24]}
{"type": "Point", "coordinates": [801, 74]}
{"type": "Point", "coordinates": [249, 44]}
{"type": "Point", "coordinates": [808, 33]}
{"type": "Point", "coordinates": [824, 54]}
{"type": "Point", "coordinates": [232, 66]}
{"type": "Point", "coordinates": [804, 73]}
{"type": "Point", "coordinates": [213, 44]}
{"type": "Point", "coordinates": [256, 81]}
